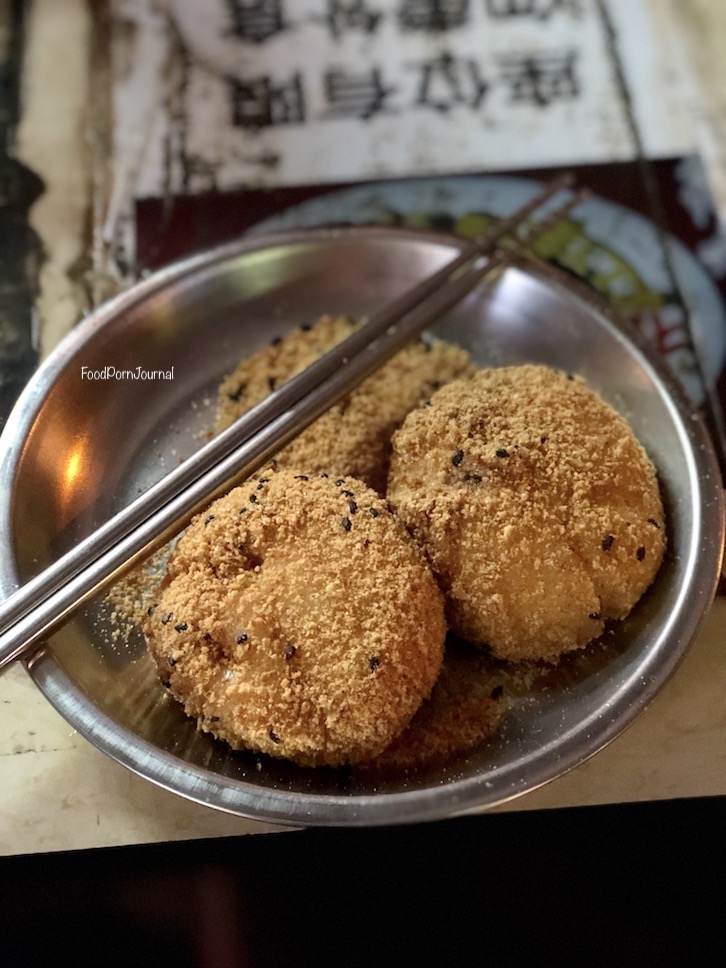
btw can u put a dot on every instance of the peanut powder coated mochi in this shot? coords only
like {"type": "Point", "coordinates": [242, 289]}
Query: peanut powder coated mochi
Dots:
{"type": "Point", "coordinates": [538, 509]}
{"type": "Point", "coordinates": [464, 710]}
{"type": "Point", "coordinates": [297, 618]}
{"type": "Point", "coordinates": [353, 437]}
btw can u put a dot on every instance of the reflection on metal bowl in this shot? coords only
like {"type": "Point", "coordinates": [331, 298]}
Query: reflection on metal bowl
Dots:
{"type": "Point", "coordinates": [76, 449]}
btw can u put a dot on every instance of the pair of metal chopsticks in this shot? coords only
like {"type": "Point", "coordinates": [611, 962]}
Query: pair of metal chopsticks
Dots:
{"type": "Point", "coordinates": [39, 607]}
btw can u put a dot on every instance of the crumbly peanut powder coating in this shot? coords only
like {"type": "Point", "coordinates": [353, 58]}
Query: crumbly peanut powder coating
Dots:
{"type": "Point", "coordinates": [297, 618]}
{"type": "Point", "coordinates": [538, 509]}
{"type": "Point", "coordinates": [353, 437]}
{"type": "Point", "coordinates": [464, 710]}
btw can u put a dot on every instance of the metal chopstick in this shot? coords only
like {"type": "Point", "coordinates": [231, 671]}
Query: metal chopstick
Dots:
{"type": "Point", "coordinates": [179, 479]}
{"type": "Point", "coordinates": [40, 606]}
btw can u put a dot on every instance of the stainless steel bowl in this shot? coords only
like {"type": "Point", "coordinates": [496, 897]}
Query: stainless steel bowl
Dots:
{"type": "Point", "coordinates": [75, 450]}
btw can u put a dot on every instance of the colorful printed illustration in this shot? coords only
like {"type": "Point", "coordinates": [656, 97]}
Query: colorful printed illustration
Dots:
{"type": "Point", "coordinates": [663, 291]}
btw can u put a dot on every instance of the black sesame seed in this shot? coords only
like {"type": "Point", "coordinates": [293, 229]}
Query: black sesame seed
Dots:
{"type": "Point", "coordinates": [543, 440]}
{"type": "Point", "coordinates": [352, 507]}
{"type": "Point", "coordinates": [501, 452]}
{"type": "Point", "coordinates": [273, 736]}
{"type": "Point", "coordinates": [242, 510]}
{"type": "Point", "coordinates": [346, 494]}
{"type": "Point", "coordinates": [271, 383]}
{"type": "Point", "coordinates": [241, 638]}
{"type": "Point", "coordinates": [340, 482]}
{"type": "Point", "coordinates": [290, 652]}
{"type": "Point", "coordinates": [236, 394]}
{"type": "Point", "coordinates": [607, 542]}
{"type": "Point", "coordinates": [150, 609]}
{"type": "Point", "coordinates": [654, 523]}
{"type": "Point", "coordinates": [171, 660]}
{"type": "Point", "coordinates": [209, 518]}
{"type": "Point", "coordinates": [595, 616]}
{"type": "Point", "coordinates": [301, 477]}
{"type": "Point", "coordinates": [373, 663]}
{"type": "Point", "coordinates": [260, 486]}
{"type": "Point", "coordinates": [457, 457]}
{"type": "Point", "coordinates": [373, 512]}
{"type": "Point", "coordinates": [474, 478]}
{"type": "Point", "coordinates": [181, 627]}
{"type": "Point", "coordinates": [347, 524]}
{"type": "Point", "coordinates": [497, 692]}
{"type": "Point", "coordinates": [213, 719]}
{"type": "Point", "coordinates": [640, 553]}
{"type": "Point", "coordinates": [207, 637]}
{"type": "Point", "coordinates": [166, 683]}
{"type": "Point", "coordinates": [253, 498]}
{"type": "Point", "coordinates": [264, 480]}
{"type": "Point", "coordinates": [324, 475]}
{"type": "Point", "coordinates": [167, 618]}
{"type": "Point", "coordinates": [570, 376]}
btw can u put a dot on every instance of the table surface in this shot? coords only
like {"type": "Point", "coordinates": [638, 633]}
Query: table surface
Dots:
{"type": "Point", "coordinates": [58, 792]}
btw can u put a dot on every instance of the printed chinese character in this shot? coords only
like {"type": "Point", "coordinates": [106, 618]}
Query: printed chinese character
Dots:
{"type": "Point", "coordinates": [448, 81]}
{"type": "Point", "coordinates": [433, 14]}
{"type": "Point", "coordinates": [345, 15]}
{"type": "Point", "coordinates": [667, 329]}
{"type": "Point", "coordinates": [541, 78]}
{"type": "Point", "coordinates": [258, 103]}
{"type": "Point", "coordinates": [540, 9]}
{"type": "Point", "coordinates": [356, 95]}
{"type": "Point", "coordinates": [256, 20]}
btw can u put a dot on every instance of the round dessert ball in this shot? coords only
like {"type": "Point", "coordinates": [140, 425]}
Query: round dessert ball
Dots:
{"type": "Point", "coordinates": [298, 618]}
{"type": "Point", "coordinates": [464, 710]}
{"type": "Point", "coordinates": [353, 437]}
{"type": "Point", "coordinates": [536, 506]}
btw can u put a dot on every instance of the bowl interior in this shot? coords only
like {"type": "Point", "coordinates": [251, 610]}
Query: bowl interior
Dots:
{"type": "Point", "coordinates": [78, 449]}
